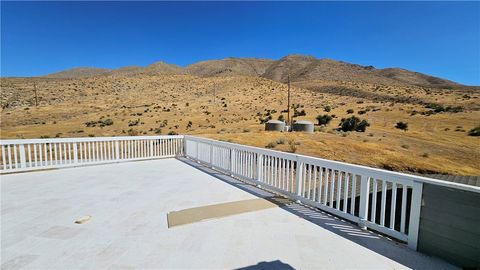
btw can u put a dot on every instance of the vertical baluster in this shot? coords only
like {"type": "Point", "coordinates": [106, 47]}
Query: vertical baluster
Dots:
{"type": "Point", "coordinates": [393, 205]}
{"type": "Point", "coordinates": [34, 154]}
{"type": "Point", "coordinates": [320, 184]}
{"type": "Point", "coordinates": [287, 175]}
{"type": "Point", "coordinates": [332, 186]}
{"type": "Point", "coordinates": [339, 189]}
{"type": "Point", "coordinates": [55, 154]}
{"type": "Point", "coordinates": [314, 186]}
{"type": "Point", "coordinates": [50, 152]}
{"type": "Point", "coordinates": [354, 195]}
{"type": "Point", "coordinates": [45, 156]}
{"type": "Point", "coordinates": [384, 202]}
{"type": "Point", "coordinates": [374, 201]}
{"type": "Point", "coordinates": [325, 189]}
{"type": "Point", "coordinates": [345, 192]}
{"type": "Point", "coordinates": [29, 153]}
{"type": "Point", "coordinates": [70, 159]}
{"type": "Point", "coordinates": [404, 208]}
{"type": "Point", "coordinates": [65, 157]}
{"type": "Point", "coordinates": [309, 193]}
{"type": "Point", "coordinates": [15, 156]}
{"type": "Point", "coordinates": [4, 158]}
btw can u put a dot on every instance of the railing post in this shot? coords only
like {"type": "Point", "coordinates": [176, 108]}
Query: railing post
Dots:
{"type": "Point", "coordinates": [23, 161]}
{"type": "Point", "coordinates": [75, 153]}
{"type": "Point", "coordinates": [364, 194]}
{"type": "Point", "coordinates": [415, 208]}
{"type": "Point", "coordinates": [117, 150]}
{"type": "Point", "coordinates": [299, 177]}
{"type": "Point", "coordinates": [259, 167]}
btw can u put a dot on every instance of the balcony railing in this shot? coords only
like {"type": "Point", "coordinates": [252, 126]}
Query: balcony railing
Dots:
{"type": "Point", "coordinates": [385, 201]}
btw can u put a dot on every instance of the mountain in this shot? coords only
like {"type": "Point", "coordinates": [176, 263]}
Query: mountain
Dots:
{"type": "Point", "coordinates": [300, 68]}
{"type": "Point", "coordinates": [79, 72]}
{"type": "Point", "coordinates": [229, 67]}
{"type": "Point", "coordinates": [162, 68]}
{"type": "Point", "coordinates": [416, 78]}
{"type": "Point", "coordinates": [307, 68]}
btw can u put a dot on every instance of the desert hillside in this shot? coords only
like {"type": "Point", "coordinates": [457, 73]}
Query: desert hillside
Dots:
{"type": "Point", "coordinates": [161, 99]}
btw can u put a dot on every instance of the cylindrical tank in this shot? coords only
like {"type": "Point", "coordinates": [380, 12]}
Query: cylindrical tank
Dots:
{"type": "Point", "coordinates": [274, 125]}
{"type": "Point", "coordinates": [303, 126]}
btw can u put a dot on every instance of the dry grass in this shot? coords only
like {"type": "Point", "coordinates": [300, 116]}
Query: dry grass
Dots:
{"type": "Point", "coordinates": [431, 143]}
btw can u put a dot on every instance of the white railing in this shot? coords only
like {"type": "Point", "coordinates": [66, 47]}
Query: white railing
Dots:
{"type": "Point", "coordinates": [25, 155]}
{"type": "Point", "coordinates": [385, 201]}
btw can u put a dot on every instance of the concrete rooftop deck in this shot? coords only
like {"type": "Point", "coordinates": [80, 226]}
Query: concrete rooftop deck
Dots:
{"type": "Point", "coordinates": [129, 203]}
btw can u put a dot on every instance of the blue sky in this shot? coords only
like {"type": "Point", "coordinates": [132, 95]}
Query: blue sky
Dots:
{"type": "Point", "coordinates": [437, 38]}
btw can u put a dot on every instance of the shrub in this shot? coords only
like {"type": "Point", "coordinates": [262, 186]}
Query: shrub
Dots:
{"type": "Point", "coordinates": [271, 145]}
{"type": "Point", "coordinates": [323, 119]}
{"type": "Point", "coordinates": [157, 131]}
{"type": "Point", "coordinates": [353, 124]}
{"type": "Point", "coordinates": [132, 132]}
{"type": "Point", "coordinates": [327, 108]}
{"type": "Point", "coordinates": [402, 125]}
{"type": "Point", "coordinates": [246, 130]}
{"type": "Point", "coordinates": [172, 133]}
{"type": "Point", "coordinates": [349, 111]}
{"type": "Point", "coordinates": [292, 144]}
{"type": "Point", "coordinates": [189, 125]}
{"type": "Point", "coordinates": [281, 117]}
{"type": "Point", "coordinates": [474, 131]}
{"type": "Point", "coordinates": [280, 141]}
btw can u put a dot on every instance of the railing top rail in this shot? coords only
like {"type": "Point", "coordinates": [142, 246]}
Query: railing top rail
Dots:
{"type": "Point", "coordinates": [87, 139]}
{"type": "Point", "coordinates": [372, 172]}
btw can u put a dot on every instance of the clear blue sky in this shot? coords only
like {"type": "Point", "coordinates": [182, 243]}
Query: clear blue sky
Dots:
{"type": "Point", "coordinates": [438, 38]}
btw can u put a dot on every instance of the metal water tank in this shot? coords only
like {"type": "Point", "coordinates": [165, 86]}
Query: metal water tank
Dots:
{"type": "Point", "coordinates": [275, 125]}
{"type": "Point", "coordinates": [303, 126]}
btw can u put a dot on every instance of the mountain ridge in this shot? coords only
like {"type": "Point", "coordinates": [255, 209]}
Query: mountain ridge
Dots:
{"type": "Point", "coordinates": [297, 67]}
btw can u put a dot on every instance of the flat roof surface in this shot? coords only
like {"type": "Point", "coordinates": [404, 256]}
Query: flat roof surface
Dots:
{"type": "Point", "coordinates": [129, 202]}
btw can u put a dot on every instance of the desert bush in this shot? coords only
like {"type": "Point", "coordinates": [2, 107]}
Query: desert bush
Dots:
{"type": "Point", "coordinates": [132, 123]}
{"type": "Point", "coordinates": [132, 132]}
{"type": "Point", "coordinates": [353, 124]}
{"type": "Point", "coordinates": [189, 125]}
{"type": "Point", "coordinates": [157, 131]}
{"type": "Point", "coordinates": [327, 108]}
{"type": "Point", "coordinates": [281, 117]}
{"type": "Point", "coordinates": [246, 130]}
{"type": "Point", "coordinates": [349, 111]}
{"type": "Point", "coordinates": [271, 145]}
{"type": "Point", "coordinates": [323, 119]}
{"type": "Point", "coordinates": [292, 145]}
{"type": "Point", "coordinates": [402, 125]}
{"type": "Point", "coordinates": [474, 131]}
{"type": "Point", "coordinates": [172, 133]}
{"type": "Point", "coordinates": [280, 141]}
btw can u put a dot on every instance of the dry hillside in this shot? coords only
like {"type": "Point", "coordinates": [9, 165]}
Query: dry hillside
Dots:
{"type": "Point", "coordinates": [147, 103]}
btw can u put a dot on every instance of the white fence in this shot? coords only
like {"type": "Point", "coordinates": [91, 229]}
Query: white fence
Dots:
{"type": "Point", "coordinates": [24, 155]}
{"type": "Point", "coordinates": [385, 201]}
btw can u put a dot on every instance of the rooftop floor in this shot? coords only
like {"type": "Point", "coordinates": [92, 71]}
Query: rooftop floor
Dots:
{"type": "Point", "coordinates": [128, 204]}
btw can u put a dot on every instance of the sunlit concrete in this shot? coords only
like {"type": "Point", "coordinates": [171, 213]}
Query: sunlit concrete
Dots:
{"type": "Point", "coordinates": [128, 203]}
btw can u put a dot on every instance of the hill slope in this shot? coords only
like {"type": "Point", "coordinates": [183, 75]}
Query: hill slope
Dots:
{"type": "Point", "coordinates": [79, 72]}
{"type": "Point", "coordinates": [230, 67]}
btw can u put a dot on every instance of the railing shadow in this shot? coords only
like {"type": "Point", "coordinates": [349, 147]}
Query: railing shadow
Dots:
{"type": "Point", "coordinates": [380, 244]}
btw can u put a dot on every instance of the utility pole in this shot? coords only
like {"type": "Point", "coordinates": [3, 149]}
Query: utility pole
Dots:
{"type": "Point", "coordinates": [35, 90]}
{"type": "Point", "coordinates": [288, 101]}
